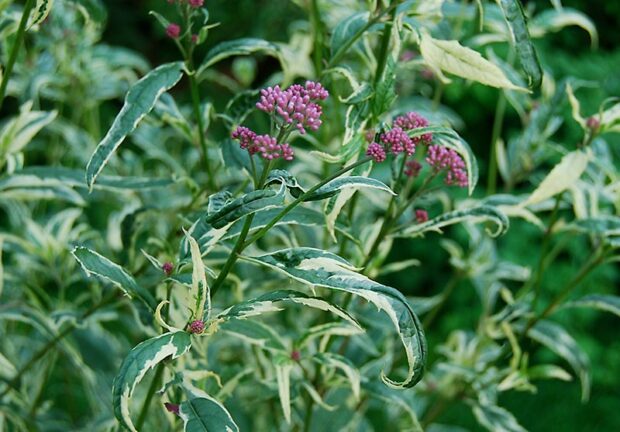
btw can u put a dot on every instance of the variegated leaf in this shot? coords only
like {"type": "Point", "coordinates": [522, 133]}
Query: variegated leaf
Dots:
{"type": "Point", "coordinates": [483, 213]}
{"type": "Point", "coordinates": [255, 333]}
{"type": "Point", "coordinates": [558, 340]}
{"type": "Point", "coordinates": [271, 302]}
{"type": "Point", "coordinates": [206, 414]}
{"type": "Point", "coordinates": [607, 303]}
{"type": "Point", "coordinates": [141, 359]}
{"type": "Point", "coordinates": [40, 11]}
{"type": "Point", "coordinates": [355, 182]}
{"type": "Point", "coordinates": [319, 268]}
{"type": "Point", "coordinates": [342, 363]}
{"type": "Point", "coordinates": [94, 263]}
{"type": "Point", "coordinates": [496, 419]}
{"type": "Point", "coordinates": [139, 101]}
{"type": "Point", "coordinates": [199, 301]}
{"type": "Point", "coordinates": [283, 377]}
{"type": "Point", "coordinates": [244, 46]}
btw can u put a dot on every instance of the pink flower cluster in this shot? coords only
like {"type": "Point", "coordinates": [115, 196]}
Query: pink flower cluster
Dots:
{"type": "Point", "coordinates": [265, 145]}
{"type": "Point", "coordinates": [421, 215]}
{"type": "Point", "coordinates": [397, 140]}
{"type": "Point", "coordinates": [173, 30]}
{"type": "Point", "coordinates": [413, 120]}
{"type": "Point", "coordinates": [413, 168]}
{"type": "Point", "coordinates": [442, 158]}
{"type": "Point", "coordinates": [295, 105]}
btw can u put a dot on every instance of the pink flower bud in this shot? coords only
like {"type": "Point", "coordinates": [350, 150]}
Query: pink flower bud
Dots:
{"type": "Point", "coordinates": [296, 356]}
{"type": "Point", "coordinates": [173, 408]}
{"type": "Point", "coordinates": [196, 327]}
{"type": "Point", "coordinates": [421, 216]}
{"type": "Point", "coordinates": [593, 123]}
{"type": "Point", "coordinates": [376, 151]}
{"type": "Point", "coordinates": [173, 31]}
{"type": "Point", "coordinates": [196, 3]}
{"type": "Point", "coordinates": [167, 267]}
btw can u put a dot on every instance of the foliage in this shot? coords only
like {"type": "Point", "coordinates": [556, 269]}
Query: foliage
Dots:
{"type": "Point", "coordinates": [272, 233]}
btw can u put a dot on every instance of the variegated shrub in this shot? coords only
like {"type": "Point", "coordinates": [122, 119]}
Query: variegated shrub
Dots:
{"type": "Point", "coordinates": [209, 263]}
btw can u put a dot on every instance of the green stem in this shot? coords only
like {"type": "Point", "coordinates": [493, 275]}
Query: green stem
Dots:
{"type": "Point", "coordinates": [383, 50]}
{"type": "Point", "coordinates": [149, 396]}
{"type": "Point", "coordinates": [301, 198]}
{"type": "Point", "coordinates": [238, 248]}
{"type": "Point", "coordinates": [344, 48]}
{"type": "Point", "coordinates": [14, 382]}
{"type": "Point", "coordinates": [595, 259]}
{"type": "Point", "coordinates": [447, 291]}
{"type": "Point", "coordinates": [543, 250]}
{"type": "Point", "coordinates": [317, 26]}
{"type": "Point", "coordinates": [19, 37]}
{"type": "Point", "coordinates": [201, 132]}
{"type": "Point", "coordinates": [498, 122]}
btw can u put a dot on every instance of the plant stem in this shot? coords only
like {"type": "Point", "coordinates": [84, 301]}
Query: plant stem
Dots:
{"type": "Point", "coordinates": [595, 259]}
{"type": "Point", "coordinates": [543, 250]}
{"type": "Point", "coordinates": [19, 37]}
{"type": "Point", "coordinates": [201, 133]}
{"type": "Point", "coordinates": [498, 122]}
{"type": "Point", "coordinates": [447, 291]}
{"type": "Point", "coordinates": [14, 382]}
{"type": "Point", "coordinates": [317, 26]}
{"type": "Point", "coordinates": [301, 198]}
{"type": "Point", "coordinates": [149, 396]}
{"type": "Point", "coordinates": [383, 50]}
{"type": "Point", "coordinates": [232, 258]}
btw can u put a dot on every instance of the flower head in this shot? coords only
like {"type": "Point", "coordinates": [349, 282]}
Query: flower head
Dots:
{"type": "Point", "coordinates": [196, 3]}
{"type": "Point", "coordinates": [173, 30]}
{"type": "Point", "coordinates": [440, 158]}
{"type": "Point", "coordinates": [295, 105]}
{"type": "Point", "coordinates": [413, 120]}
{"type": "Point", "coordinates": [593, 123]}
{"type": "Point", "coordinates": [265, 145]}
{"type": "Point", "coordinates": [196, 327]}
{"type": "Point", "coordinates": [376, 151]}
{"type": "Point", "coordinates": [398, 141]}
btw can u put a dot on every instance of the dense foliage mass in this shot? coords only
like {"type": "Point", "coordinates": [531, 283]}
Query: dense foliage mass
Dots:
{"type": "Point", "coordinates": [349, 215]}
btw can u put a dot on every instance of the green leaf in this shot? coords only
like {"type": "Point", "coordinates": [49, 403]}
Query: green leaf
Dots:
{"type": "Point", "coordinates": [607, 303]}
{"type": "Point", "coordinates": [496, 419]}
{"type": "Point", "coordinates": [17, 133]}
{"type": "Point", "coordinates": [254, 332]}
{"type": "Point", "coordinates": [40, 11]}
{"type": "Point", "coordinates": [513, 12]}
{"type": "Point", "coordinates": [93, 263]}
{"type": "Point", "coordinates": [385, 91]}
{"type": "Point", "coordinates": [558, 340]}
{"type": "Point", "coordinates": [452, 57]}
{"type": "Point", "coordinates": [270, 302]}
{"type": "Point", "coordinates": [561, 177]}
{"type": "Point", "coordinates": [553, 20]}
{"type": "Point", "coordinates": [245, 205]}
{"type": "Point", "coordinates": [483, 213]}
{"type": "Point", "coordinates": [347, 32]}
{"type": "Point", "coordinates": [298, 216]}
{"type": "Point", "coordinates": [342, 363]}
{"type": "Point", "coordinates": [141, 359]}
{"type": "Point", "coordinates": [283, 377]}
{"type": "Point", "coordinates": [206, 415]}
{"type": "Point", "coordinates": [319, 268]}
{"type": "Point", "coordinates": [244, 46]}
{"type": "Point", "coordinates": [356, 182]}
{"type": "Point", "coordinates": [327, 329]}
{"type": "Point", "coordinates": [139, 101]}
{"type": "Point", "coordinates": [46, 176]}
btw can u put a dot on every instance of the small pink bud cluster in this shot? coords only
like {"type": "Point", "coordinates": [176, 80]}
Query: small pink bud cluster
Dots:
{"type": "Point", "coordinates": [173, 31]}
{"type": "Point", "coordinates": [376, 151]}
{"type": "Point", "coordinates": [295, 105]}
{"type": "Point", "coordinates": [295, 356]}
{"type": "Point", "coordinates": [196, 3]}
{"type": "Point", "coordinates": [196, 327]}
{"type": "Point", "coordinates": [440, 158]}
{"type": "Point", "coordinates": [167, 268]}
{"type": "Point", "coordinates": [396, 140]}
{"type": "Point", "coordinates": [421, 215]}
{"type": "Point", "coordinates": [413, 168]}
{"type": "Point", "coordinates": [265, 145]}
{"type": "Point", "coordinates": [593, 123]}
{"type": "Point", "coordinates": [172, 408]}
{"type": "Point", "coordinates": [413, 120]}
